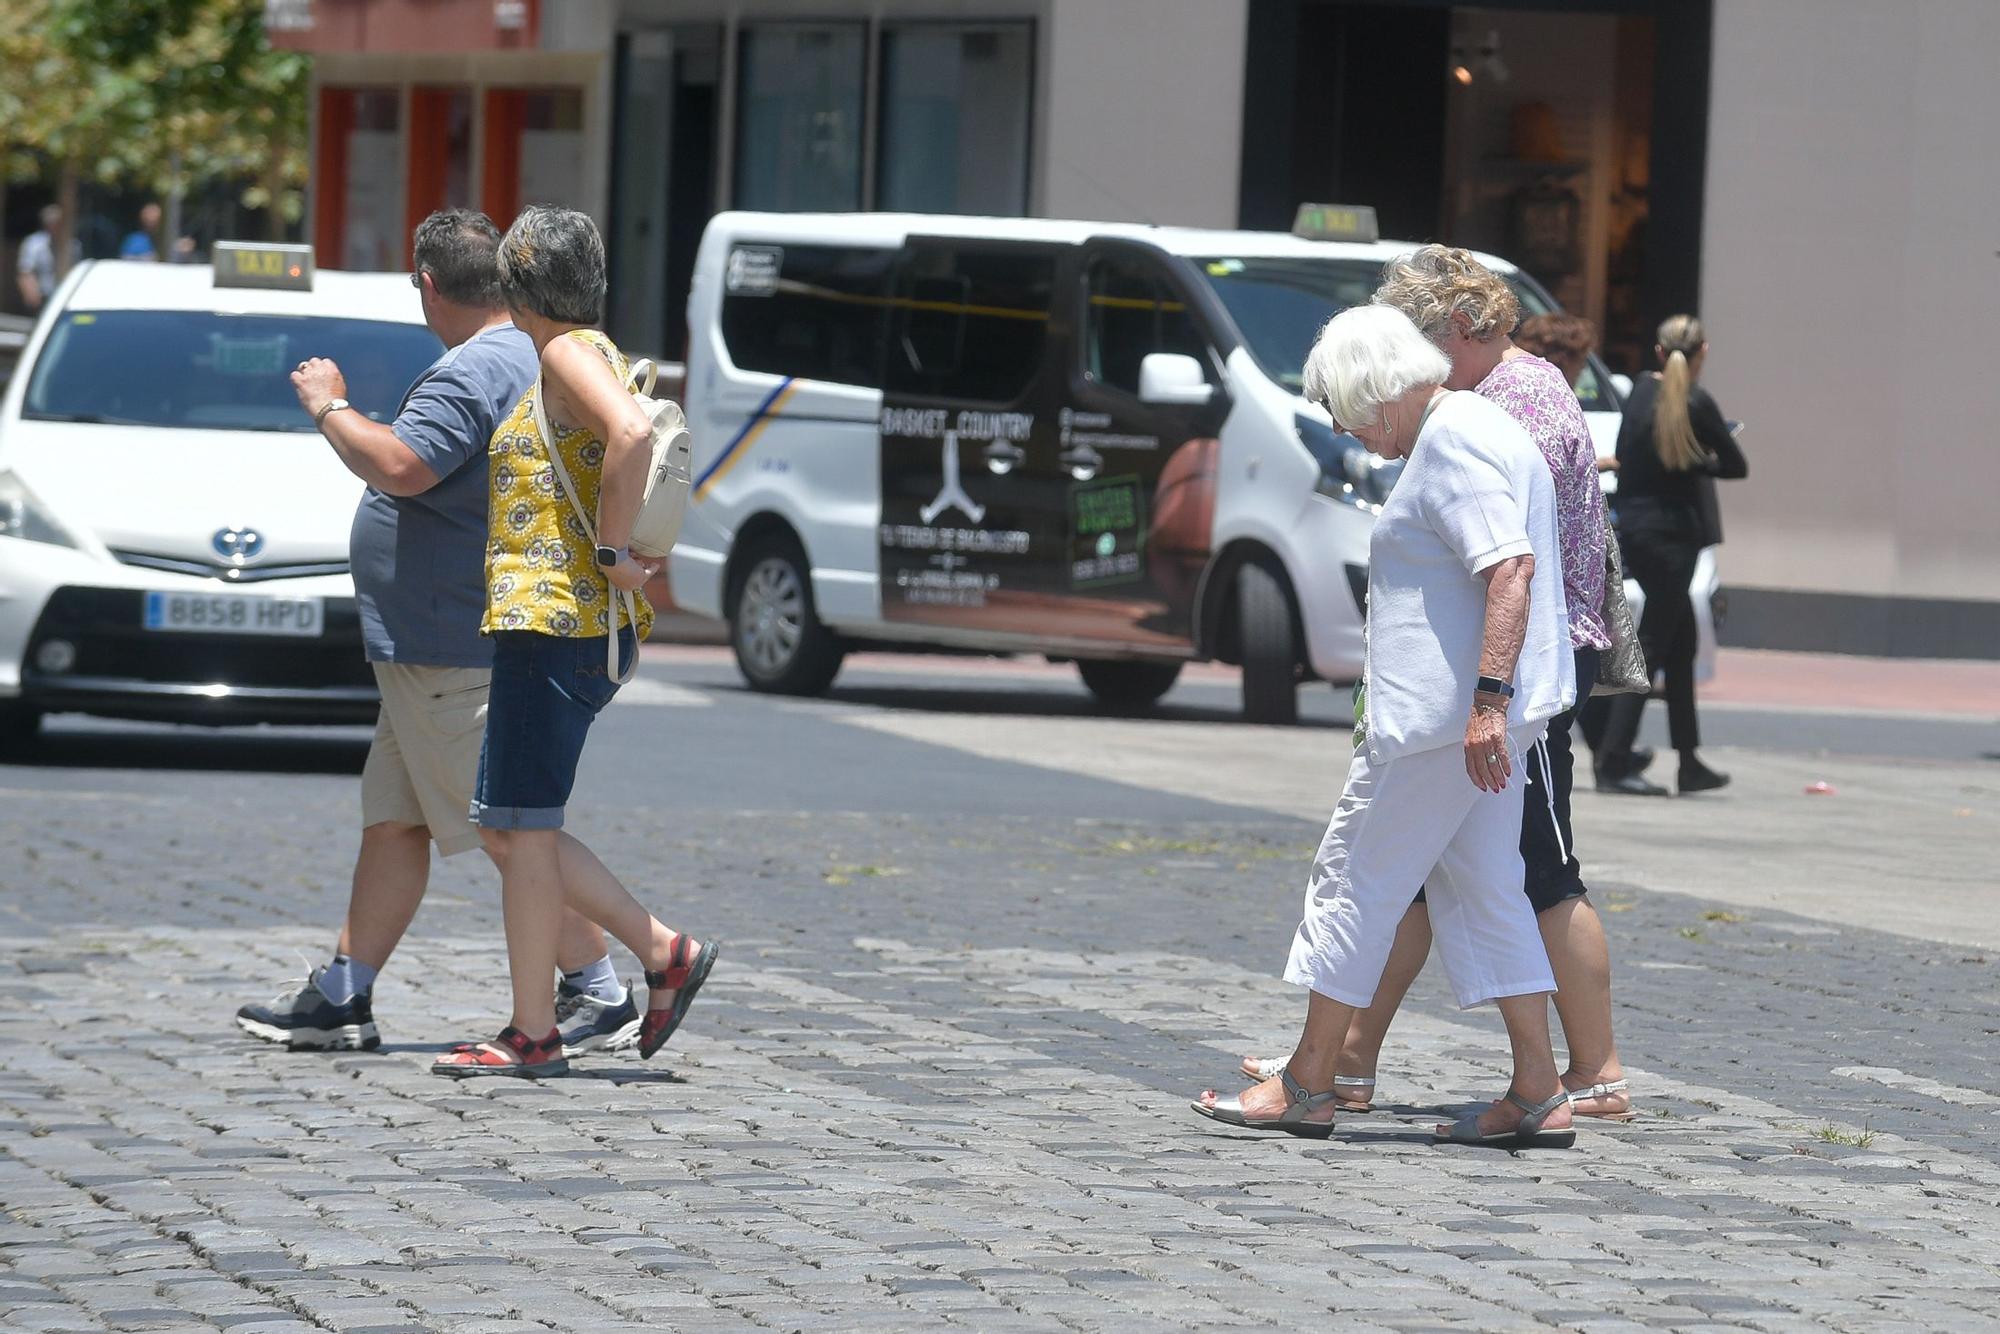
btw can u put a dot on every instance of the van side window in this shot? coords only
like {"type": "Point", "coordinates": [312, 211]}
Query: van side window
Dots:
{"type": "Point", "coordinates": [1132, 313]}
{"type": "Point", "coordinates": [822, 315]}
{"type": "Point", "coordinates": [971, 324]}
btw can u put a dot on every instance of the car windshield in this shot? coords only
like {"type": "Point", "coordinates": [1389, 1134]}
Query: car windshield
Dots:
{"type": "Point", "coordinates": [1280, 304]}
{"type": "Point", "coordinates": [203, 370]}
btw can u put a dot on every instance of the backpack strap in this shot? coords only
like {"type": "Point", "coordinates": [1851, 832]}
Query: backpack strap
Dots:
{"type": "Point", "coordinates": [642, 370]}
{"type": "Point", "coordinates": [618, 596]}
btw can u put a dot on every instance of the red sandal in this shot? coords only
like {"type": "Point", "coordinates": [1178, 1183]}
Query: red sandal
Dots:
{"type": "Point", "coordinates": [530, 1059]}
{"type": "Point", "coordinates": [682, 977]}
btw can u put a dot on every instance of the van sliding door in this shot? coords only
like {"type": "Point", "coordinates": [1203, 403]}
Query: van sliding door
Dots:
{"type": "Point", "coordinates": [971, 536]}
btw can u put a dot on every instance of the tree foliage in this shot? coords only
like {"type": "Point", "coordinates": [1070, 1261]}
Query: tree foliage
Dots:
{"type": "Point", "coordinates": [164, 95]}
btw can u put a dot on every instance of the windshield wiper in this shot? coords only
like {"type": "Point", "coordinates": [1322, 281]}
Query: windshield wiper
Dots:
{"type": "Point", "coordinates": [85, 418]}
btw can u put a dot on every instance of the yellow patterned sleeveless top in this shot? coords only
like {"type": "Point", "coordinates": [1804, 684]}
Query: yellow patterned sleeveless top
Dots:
{"type": "Point", "coordinates": [541, 568]}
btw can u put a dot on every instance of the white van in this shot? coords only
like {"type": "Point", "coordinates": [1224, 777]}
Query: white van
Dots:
{"type": "Point", "coordinates": [1083, 440]}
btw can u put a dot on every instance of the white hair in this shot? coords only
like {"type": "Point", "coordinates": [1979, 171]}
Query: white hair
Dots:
{"type": "Point", "coordinates": [1367, 356]}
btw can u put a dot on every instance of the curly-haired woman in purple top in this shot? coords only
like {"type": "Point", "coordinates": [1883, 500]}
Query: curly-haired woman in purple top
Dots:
{"type": "Point", "coordinates": [1469, 312]}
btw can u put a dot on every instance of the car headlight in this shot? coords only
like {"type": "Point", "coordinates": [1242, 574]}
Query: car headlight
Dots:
{"type": "Point", "coordinates": [1347, 471]}
{"type": "Point", "coordinates": [25, 518]}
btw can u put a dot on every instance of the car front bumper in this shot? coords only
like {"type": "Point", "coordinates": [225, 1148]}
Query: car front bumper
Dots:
{"type": "Point", "coordinates": [113, 667]}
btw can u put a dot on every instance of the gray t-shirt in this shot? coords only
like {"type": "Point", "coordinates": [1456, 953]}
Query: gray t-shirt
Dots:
{"type": "Point", "coordinates": [420, 561]}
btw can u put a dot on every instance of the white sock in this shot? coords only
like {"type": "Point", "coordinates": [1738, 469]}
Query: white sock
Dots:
{"type": "Point", "coordinates": [599, 979]}
{"type": "Point", "coordinates": [344, 979]}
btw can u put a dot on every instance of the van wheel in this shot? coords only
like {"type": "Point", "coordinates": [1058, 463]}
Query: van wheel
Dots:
{"type": "Point", "coordinates": [780, 644]}
{"type": "Point", "coordinates": [1270, 658]}
{"type": "Point", "coordinates": [18, 725]}
{"type": "Point", "coordinates": [1127, 686]}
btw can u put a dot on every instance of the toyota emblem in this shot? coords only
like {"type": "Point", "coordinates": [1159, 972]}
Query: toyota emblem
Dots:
{"type": "Point", "coordinates": [238, 546]}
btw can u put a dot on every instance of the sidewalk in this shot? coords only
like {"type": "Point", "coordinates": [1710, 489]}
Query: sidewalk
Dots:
{"type": "Point", "coordinates": [1744, 678]}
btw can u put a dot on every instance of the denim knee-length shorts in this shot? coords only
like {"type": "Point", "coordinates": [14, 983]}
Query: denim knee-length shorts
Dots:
{"type": "Point", "coordinates": [546, 692]}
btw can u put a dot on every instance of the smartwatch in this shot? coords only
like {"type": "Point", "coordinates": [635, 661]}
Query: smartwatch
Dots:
{"type": "Point", "coordinates": [1493, 685]}
{"type": "Point", "coordinates": [332, 405]}
{"type": "Point", "coordinates": [610, 556]}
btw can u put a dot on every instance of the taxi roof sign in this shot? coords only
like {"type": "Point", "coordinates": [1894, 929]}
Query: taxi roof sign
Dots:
{"type": "Point", "coordinates": [1336, 222]}
{"type": "Point", "coordinates": [287, 268]}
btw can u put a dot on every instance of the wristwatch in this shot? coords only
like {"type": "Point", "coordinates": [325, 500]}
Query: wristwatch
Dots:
{"type": "Point", "coordinates": [1493, 685]}
{"type": "Point", "coordinates": [332, 405]}
{"type": "Point", "coordinates": [610, 556]}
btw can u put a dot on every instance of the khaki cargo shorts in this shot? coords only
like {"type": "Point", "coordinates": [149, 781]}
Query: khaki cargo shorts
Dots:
{"type": "Point", "coordinates": [425, 759]}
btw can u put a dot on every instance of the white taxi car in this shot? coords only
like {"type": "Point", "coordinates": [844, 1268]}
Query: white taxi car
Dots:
{"type": "Point", "coordinates": [173, 532]}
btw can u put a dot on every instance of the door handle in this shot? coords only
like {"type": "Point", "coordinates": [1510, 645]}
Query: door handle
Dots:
{"type": "Point", "coordinates": [1002, 458]}
{"type": "Point", "coordinates": [1082, 462]}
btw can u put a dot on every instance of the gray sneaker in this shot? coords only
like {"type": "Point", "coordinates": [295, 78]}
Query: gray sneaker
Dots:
{"type": "Point", "coordinates": [305, 1020]}
{"type": "Point", "coordinates": [589, 1024]}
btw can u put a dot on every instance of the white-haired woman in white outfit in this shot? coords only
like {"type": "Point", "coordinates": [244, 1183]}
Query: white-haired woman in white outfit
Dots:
{"type": "Point", "coordinates": [1468, 657]}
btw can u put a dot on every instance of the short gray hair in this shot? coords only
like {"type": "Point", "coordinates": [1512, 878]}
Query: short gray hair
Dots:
{"type": "Point", "coordinates": [552, 264]}
{"type": "Point", "coordinates": [458, 248]}
{"type": "Point", "coordinates": [1367, 356]}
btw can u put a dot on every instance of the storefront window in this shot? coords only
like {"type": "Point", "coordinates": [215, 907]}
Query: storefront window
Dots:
{"type": "Point", "coordinates": [955, 118]}
{"type": "Point", "coordinates": [371, 225]}
{"type": "Point", "coordinates": [534, 150]}
{"type": "Point", "coordinates": [799, 123]}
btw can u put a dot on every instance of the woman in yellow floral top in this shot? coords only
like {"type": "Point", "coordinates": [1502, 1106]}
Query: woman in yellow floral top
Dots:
{"type": "Point", "coordinates": [551, 600]}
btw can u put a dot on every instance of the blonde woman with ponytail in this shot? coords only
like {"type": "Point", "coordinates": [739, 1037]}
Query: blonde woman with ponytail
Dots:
{"type": "Point", "coordinates": [1674, 445]}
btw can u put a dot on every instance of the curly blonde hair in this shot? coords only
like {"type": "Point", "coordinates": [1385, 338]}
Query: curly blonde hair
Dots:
{"type": "Point", "coordinates": [1436, 284]}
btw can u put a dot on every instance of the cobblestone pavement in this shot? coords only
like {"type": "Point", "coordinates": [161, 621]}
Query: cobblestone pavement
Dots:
{"type": "Point", "coordinates": [940, 1079]}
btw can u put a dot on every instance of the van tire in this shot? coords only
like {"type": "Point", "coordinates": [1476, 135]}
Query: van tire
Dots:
{"type": "Point", "coordinates": [781, 646]}
{"type": "Point", "coordinates": [1127, 686]}
{"type": "Point", "coordinates": [1270, 655]}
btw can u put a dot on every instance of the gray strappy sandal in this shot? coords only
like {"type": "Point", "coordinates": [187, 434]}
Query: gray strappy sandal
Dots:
{"type": "Point", "coordinates": [1356, 1093]}
{"type": "Point", "coordinates": [1292, 1121]}
{"type": "Point", "coordinates": [1526, 1135]}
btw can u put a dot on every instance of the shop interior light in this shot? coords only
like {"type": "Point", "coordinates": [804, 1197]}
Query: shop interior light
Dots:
{"type": "Point", "coordinates": [1483, 65]}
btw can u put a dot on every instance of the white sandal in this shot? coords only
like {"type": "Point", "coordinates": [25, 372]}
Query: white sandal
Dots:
{"type": "Point", "coordinates": [1596, 1091]}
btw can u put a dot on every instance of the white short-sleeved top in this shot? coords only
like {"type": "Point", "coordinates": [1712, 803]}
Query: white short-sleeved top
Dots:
{"type": "Point", "coordinates": [1475, 492]}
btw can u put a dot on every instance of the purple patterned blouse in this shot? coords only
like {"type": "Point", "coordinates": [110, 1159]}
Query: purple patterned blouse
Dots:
{"type": "Point", "coordinates": [1535, 394]}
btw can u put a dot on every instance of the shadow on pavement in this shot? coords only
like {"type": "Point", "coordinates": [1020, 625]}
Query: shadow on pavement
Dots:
{"type": "Point", "coordinates": [191, 749]}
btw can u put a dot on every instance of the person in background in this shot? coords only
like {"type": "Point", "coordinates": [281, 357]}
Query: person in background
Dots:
{"type": "Point", "coordinates": [1466, 311]}
{"type": "Point", "coordinates": [1674, 443]}
{"type": "Point", "coordinates": [36, 270]}
{"type": "Point", "coordinates": [417, 545]}
{"type": "Point", "coordinates": [139, 243]}
{"type": "Point", "coordinates": [1468, 660]}
{"type": "Point", "coordinates": [1566, 341]}
{"type": "Point", "coordinates": [557, 609]}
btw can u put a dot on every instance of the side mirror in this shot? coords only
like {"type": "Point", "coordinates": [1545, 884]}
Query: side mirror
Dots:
{"type": "Point", "coordinates": [1173, 379]}
{"type": "Point", "coordinates": [1622, 383]}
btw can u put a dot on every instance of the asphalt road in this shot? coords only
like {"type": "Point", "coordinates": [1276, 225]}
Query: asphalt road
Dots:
{"type": "Point", "coordinates": [982, 945]}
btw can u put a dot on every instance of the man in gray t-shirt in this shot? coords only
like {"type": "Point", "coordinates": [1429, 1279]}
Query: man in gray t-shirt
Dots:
{"type": "Point", "coordinates": [418, 553]}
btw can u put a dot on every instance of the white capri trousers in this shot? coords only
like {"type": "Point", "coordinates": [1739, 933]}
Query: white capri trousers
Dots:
{"type": "Point", "coordinates": [1417, 822]}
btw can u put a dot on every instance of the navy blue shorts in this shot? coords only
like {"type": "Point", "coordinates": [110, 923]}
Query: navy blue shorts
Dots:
{"type": "Point", "coordinates": [546, 692]}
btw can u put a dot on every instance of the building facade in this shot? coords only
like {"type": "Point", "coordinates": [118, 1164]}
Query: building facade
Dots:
{"type": "Point", "coordinates": [1808, 175]}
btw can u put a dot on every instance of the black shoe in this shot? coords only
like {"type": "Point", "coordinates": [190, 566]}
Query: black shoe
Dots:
{"type": "Point", "coordinates": [305, 1020]}
{"type": "Point", "coordinates": [1630, 785]}
{"type": "Point", "coordinates": [1639, 760]}
{"type": "Point", "coordinates": [1698, 777]}
{"type": "Point", "coordinates": [588, 1023]}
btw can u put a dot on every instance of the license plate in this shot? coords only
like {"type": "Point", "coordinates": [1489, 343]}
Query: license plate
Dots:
{"type": "Point", "coordinates": [234, 614]}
